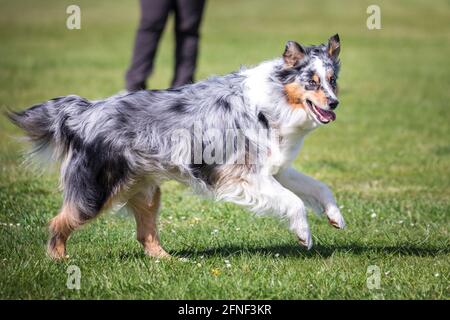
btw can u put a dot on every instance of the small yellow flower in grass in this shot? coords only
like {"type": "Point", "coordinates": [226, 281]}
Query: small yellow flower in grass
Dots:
{"type": "Point", "coordinates": [215, 272]}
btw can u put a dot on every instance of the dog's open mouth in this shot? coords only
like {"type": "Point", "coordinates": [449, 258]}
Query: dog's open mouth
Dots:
{"type": "Point", "coordinates": [322, 115]}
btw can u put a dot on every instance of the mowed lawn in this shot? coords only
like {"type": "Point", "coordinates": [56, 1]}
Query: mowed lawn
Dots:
{"type": "Point", "coordinates": [387, 158]}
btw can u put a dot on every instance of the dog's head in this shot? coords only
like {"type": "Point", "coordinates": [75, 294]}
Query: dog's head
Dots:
{"type": "Point", "coordinates": [309, 77]}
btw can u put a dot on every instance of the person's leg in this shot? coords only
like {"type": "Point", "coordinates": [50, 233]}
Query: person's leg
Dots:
{"type": "Point", "coordinates": [188, 16]}
{"type": "Point", "coordinates": [153, 18]}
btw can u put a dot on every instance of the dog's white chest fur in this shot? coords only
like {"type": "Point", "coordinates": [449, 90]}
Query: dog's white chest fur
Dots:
{"type": "Point", "coordinates": [282, 154]}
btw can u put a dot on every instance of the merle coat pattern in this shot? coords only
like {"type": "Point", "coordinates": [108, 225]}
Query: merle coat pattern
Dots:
{"type": "Point", "coordinates": [120, 150]}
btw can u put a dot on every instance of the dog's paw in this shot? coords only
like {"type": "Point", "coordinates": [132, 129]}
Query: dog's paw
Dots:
{"type": "Point", "coordinates": [335, 217]}
{"type": "Point", "coordinates": [304, 238]}
{"type": "Point", "coordinates": [56, 248]}
{"type": "Point", "coordinates": [157, 252]}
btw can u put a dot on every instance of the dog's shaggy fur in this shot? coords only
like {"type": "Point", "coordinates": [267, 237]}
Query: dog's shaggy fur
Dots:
{"type": "Point", "coordinates": [122, 148]}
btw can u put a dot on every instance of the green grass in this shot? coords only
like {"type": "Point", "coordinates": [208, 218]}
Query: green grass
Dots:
{"type": "Point", "coordinates": [388, 153]}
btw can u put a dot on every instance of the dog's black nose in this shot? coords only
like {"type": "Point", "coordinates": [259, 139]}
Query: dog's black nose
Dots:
{"type": "Point", "coordinates": [333, 103]}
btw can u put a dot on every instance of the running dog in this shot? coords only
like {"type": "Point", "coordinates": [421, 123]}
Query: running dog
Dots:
{"type": "Point", "coordinates": [121, 149]}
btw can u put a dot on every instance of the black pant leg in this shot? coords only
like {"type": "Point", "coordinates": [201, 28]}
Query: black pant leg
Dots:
{"type": "Point", "coordinates": [151, 25]}
{"type": "Point", "coordinates": [188, 16]}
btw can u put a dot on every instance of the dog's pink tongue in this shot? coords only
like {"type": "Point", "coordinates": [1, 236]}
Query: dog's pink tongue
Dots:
{"type": "Point", "coordinates": [327, 115]}
{"type": "Point", "coordinates": [333, 115]}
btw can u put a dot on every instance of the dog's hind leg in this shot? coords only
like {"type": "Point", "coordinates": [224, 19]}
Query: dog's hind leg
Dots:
{"type": "Point", "coordinates": [70, 218]}
{"type": "Point", "coordinates": [145, 207]}
{"type": "Point", "coordinates": [61, 226]}
{"type": "Point", "coordinates": [88, 190]}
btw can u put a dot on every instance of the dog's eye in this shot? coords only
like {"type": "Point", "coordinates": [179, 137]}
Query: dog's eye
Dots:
{"type": "Point", "coordinates": [333, 81]}
{"type": "Point", "coordinates": [312, 83]}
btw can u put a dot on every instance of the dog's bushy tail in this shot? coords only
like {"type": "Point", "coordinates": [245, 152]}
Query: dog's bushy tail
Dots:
{"type": "Point", "coordinates": [46, 124]}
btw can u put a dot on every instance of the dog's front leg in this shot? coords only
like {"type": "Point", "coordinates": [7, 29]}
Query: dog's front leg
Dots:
{"type": "Point", "coordinates": [315, 194]}
{"type": "Point", "coordinates": [264, 195]}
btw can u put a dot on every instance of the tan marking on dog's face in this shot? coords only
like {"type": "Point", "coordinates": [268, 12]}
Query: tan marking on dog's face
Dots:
{"type": "Point", "coordinates": [318, 97]}
{"type": "Point", "coordinates": [295, 95]}
{"type": "Point", "coordinates": [316, 78]}
{"type": "Point", "coordinates": [329, 74]}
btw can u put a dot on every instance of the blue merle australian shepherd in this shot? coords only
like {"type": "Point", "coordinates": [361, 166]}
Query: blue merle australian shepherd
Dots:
{"type": "Point", "coordinates": [232, 138]}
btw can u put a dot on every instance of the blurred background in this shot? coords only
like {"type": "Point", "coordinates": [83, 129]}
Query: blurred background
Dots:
{"type": "Point", "coordinates": [387, 156]}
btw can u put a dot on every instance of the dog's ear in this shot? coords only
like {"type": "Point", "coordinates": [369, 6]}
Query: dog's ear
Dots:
{"type": "Point", "coordinates": [293, 54]}
{"type": "Point", "coordinates": [334, 46]}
